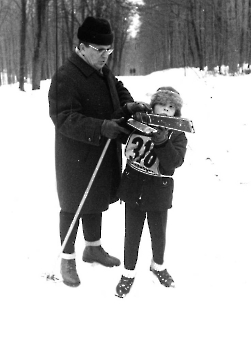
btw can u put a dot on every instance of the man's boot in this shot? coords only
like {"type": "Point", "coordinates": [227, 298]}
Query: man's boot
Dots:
{"type": "Point", "coordinates": [98, 254]}
{"type": "Point", "coordinates": [69, 272]}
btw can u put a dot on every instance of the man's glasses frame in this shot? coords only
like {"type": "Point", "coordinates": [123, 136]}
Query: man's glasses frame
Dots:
{"type": "Point", "coordinates": [101, 51]}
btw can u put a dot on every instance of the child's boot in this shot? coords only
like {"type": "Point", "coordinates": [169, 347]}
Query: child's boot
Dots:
{"type": "Point", "coordinates": [125, 283]}
{"type": "Point", "coordinates": [161, 273]}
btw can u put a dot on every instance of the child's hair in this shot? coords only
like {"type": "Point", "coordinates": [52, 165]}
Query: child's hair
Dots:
{"type": "Point", "coordinates": [166, 94]}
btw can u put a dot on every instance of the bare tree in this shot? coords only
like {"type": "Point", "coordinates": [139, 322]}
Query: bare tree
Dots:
{"type": "Point", "coordinates": [22, 45]}
{"type": "Point", "coordinates": [173, 33]}
{"type": "Point", "coordinates": [40, 15]}
{"type": "Point", "coordinates": [212, 32]}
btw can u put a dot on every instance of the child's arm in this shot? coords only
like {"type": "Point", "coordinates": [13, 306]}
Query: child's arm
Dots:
{"type": "Point", "coordinates": [171, 154]}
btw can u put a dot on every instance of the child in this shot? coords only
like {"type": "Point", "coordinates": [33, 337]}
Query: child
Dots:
{"type": "Point", "coordinates": [147, 188]}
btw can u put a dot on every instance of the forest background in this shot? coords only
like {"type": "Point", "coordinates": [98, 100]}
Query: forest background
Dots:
{"type": "Point", "coordinates": [37, 36]}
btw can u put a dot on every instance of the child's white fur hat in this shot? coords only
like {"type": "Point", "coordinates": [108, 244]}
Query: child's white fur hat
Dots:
{"type": "Point", "coordinates": [167, 94]}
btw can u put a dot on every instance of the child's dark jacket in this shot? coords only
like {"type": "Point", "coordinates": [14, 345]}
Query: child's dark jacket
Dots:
{"type": "Point", "coordinates": [154, 193]}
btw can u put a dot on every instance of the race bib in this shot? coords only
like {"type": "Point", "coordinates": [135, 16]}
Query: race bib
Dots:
{"type": "Point", "coordinates": [140, 154]}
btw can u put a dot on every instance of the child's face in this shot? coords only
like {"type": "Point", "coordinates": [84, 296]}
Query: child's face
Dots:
{"type": "Point", "coordinates": [168, 109]}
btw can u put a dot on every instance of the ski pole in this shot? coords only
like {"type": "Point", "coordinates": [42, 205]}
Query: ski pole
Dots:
{"type": "Point", "coordinates": [52, 276]}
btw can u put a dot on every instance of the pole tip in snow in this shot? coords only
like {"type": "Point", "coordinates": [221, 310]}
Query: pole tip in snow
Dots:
{"type": "Point", "coordinates": [51, 277]}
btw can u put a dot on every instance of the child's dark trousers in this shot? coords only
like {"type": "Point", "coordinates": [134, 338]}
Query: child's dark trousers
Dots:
{"type": "Point", "coordinates": [134, 222]}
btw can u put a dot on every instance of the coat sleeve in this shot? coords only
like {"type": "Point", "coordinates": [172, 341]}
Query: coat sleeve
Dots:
{"type": "Point", "coordinates": [124, 97]}
{"type": "Point", "coordinates": [65, 111]}
{"type": "Point", "coordinates": [123, 93]}
{"type": "Point", "coordinates": [172, 154]}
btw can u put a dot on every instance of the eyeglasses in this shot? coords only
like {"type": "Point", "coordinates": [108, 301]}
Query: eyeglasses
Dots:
{"type": "Point", "coordinates": [101, 51]}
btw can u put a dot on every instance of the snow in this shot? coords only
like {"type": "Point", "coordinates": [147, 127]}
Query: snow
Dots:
{"type": "Point", "coordinates": [208, 234]}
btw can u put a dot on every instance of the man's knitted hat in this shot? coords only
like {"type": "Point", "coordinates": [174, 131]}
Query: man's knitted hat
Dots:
{"type": "Point", "coordinates": [95, 31]}
{"type": "Point", "coordinates": [167, 94]}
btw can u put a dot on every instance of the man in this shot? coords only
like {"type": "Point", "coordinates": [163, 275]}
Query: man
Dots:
{"type": "Point", "coordinates": [87, 104]}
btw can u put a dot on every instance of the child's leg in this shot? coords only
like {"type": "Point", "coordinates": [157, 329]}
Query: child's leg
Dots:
{"type": "Point", "coordinates": [134, 222]}
{"type": "Point", "coordinates": [157, 224]}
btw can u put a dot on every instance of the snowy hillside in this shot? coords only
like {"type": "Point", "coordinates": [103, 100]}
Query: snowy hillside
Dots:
{"type": "Point", "coordinates": [208, 233]}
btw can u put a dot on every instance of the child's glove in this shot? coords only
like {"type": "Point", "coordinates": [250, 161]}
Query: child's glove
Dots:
{"type": "Point", "coordinates": [134, 107]}
{"type": "Point", "coordinates": [160, 137]}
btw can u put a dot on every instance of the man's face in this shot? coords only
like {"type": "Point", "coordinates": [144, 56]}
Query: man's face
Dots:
{"type": "Point", "coordinates": [168, 109]}
{"type": "Point", "coordinates": [96, 55]}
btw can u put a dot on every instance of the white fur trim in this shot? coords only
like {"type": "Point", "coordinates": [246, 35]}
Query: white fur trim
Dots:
{"type": "Point", "coordinates": [68, 256]}
{"type": "Point", "coordinates": [129, 273]}
{"type": "Point", "coordinates": [157, 267]}
{"type": "Point", "coordinates": [93, 244]}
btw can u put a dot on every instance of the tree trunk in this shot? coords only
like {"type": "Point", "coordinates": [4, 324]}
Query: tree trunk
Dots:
{"type": "Point", "coordinates": [22, 46]}
{"type": "Point", "coordinates": [40, 33]}
{"type": "Point", "coordinates": [196, 33]}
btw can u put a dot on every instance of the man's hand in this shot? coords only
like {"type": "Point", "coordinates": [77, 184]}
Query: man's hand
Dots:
{"type": "Point", "coordinates": [111, 128]}
{"type": "Point", "coordinates": [134, 107]}
{"type": "Point", "coordinates": [141, 117]}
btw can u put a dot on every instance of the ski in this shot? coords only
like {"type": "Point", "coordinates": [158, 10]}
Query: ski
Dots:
{"type": "Point", "coordinates": [175, 123]}
{"type": "Point", "coordinates": [142, 127]}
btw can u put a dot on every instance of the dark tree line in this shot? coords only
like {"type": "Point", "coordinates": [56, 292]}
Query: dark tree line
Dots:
{"type": "Point", "coordinates": [38, 35]}
{"type": "Point", "coordinates": [197, 33]}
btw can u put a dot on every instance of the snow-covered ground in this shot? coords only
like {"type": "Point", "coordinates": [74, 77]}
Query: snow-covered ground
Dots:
{"type": "Point", "coordinates": [208, 234]}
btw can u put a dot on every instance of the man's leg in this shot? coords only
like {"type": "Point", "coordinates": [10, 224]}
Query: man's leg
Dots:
{"type": "Point", "coordinates": [68, 261]}
{"type": "Point", "coordinates": [93, 251]}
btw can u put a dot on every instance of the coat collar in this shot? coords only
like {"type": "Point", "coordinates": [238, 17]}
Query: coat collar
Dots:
{"type": "Point", "coordinates": [84, 67]}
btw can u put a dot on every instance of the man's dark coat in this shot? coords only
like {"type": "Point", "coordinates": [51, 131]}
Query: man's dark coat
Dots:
{"type": "Point", "coordinates": [80, 98]}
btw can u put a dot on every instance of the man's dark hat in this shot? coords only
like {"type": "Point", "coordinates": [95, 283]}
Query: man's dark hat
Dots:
{"type": "Point", "coordinates": [96, 31]}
